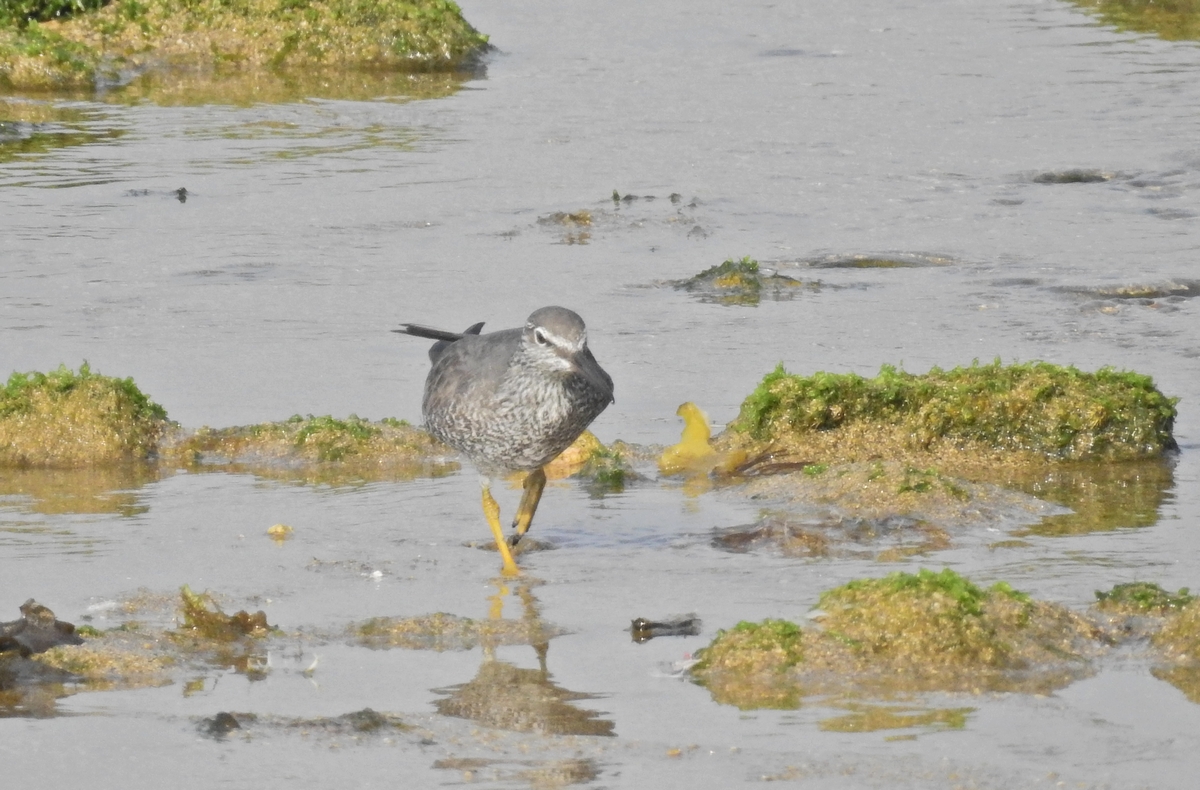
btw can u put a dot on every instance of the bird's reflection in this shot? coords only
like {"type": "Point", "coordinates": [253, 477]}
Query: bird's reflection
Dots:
{"type": "Point", "coordinates": [505, 696]}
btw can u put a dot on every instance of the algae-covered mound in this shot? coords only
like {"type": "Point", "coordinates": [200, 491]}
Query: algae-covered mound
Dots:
{"type": "Point", "coordinates": [1142, 598]}
{"type": "Point", "coordinates": [1044, 410]}
{"type": "Point", "coordinates": [934, 631]}
{"type": "Point", "coordinates": [80, 43]}
{"type": "Point", "coordinates": [771, 646]}
{"type": "Point", "coordinates": [933, 622]}
{"type": "Point", "coordinates": [69, 419]}
{"type": "Point", "coordinates": [354, 445]}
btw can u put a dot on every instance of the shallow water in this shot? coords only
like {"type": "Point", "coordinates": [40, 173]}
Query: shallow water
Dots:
{"type": "Point", "coordinates": [1027, 163]}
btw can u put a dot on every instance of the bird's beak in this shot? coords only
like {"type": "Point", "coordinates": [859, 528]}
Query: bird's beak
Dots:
{"type": "Point", "coordinates": [587, 366]}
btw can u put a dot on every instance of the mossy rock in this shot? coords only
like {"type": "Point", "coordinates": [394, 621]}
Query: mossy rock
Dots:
{"type": "Point", "coordinates": [925, 620]}
{"type": "Point", "coordinates": [1142, 598]}
{"type": "Point", "coordinates": [87, 44]}
{"type": "Point", "coordinates": [66, 419]}
{"type": "Point", "coordinates": [324, 447]}
{"type": "Point", "coordinates": [1038, 409]}
{"type": "Point", "coordinates": [901, 633]}
{"type": "Point", "coordinates": [771, 646]}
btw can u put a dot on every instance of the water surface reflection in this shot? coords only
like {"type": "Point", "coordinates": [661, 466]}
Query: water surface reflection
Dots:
{"type": "Point", "coordinates": [507, 697]}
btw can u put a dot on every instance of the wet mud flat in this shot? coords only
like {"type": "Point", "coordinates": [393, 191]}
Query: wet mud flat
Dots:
{"type": "Point", "coordinates": [833, 477]}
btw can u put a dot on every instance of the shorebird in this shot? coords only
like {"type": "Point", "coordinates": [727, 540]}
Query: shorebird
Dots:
{"type": "Point", "coordinates": [512, 401]}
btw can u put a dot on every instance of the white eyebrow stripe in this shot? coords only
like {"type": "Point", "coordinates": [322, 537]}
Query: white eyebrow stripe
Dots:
{"type": "Point", "coordinates": [562, 342]}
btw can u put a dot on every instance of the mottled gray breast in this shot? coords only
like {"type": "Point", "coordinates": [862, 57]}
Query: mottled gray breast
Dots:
{"type": "Point", "coordinates": [488, 397]}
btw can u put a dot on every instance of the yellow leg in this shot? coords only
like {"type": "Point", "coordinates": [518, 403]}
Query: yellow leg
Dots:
{"type": "Point", "coordinates": [534, 484]}
{"type": "Point", "coordinates": [492, 512]}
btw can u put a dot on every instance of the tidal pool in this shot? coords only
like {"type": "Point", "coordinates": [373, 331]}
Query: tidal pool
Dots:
{"type": "Point", "coordinates": [950, 182]}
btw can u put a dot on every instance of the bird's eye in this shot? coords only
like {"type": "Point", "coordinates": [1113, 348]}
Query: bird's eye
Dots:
{"type": "Point", "coordinates": [540, 337]}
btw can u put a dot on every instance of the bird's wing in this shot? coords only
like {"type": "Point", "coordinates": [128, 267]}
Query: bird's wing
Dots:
{"type": "Point", "coordinates": [443, 337]}
{"type": "Point", "coordinates": [473, 368]}
{"type": "Point", "coordinates": [419, 330]}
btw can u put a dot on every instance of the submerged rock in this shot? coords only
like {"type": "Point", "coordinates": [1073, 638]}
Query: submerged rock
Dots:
{"type": "Point", "coordinates": [219, 726]}
{"type": "Point", "coordinates": [1074, 176]}
{"type": "Point", "coordinates": [742, 282]}
{"type": "Point", "coordinates": [643, 629]}
{"type": "Point", "coordinates": [889, 538]}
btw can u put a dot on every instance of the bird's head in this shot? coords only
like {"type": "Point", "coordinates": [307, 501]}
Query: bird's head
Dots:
{"type": "Point", "coordinates": [555, 338]}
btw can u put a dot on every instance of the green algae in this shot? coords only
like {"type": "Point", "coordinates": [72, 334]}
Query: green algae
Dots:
{"type": "Point", "coordinates": [1173, 20]}
{"type": "Point", "coordinates": [93, 46]}
{"type": "Point", "coordinates": [1058, 413]}
{"type": "Point", "coordinates": [606, 472]}
{"type": "Point", "coordinates": [22, 12]}
{"type": "Point", "coordinates": [317, 448]}
{"type": "Point", "coordinates": [769, 646]}
{"type": "Point", "coordinates": [923, 619]}
{"type": "Point", "coordinates": [746, 665]}
{"type": "Point", "coordinates": [202, 617]}
{"type": "Point", "coordinates": [68, 419]}
{"type": "Point", "coordinates": [208, 636]}
{"type": "Point", "coordinates": [1142, 598]}
{"type": "Point", "coordinates": [741, 282]}
{"type": "Point", "coordinates": [903, 632]}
